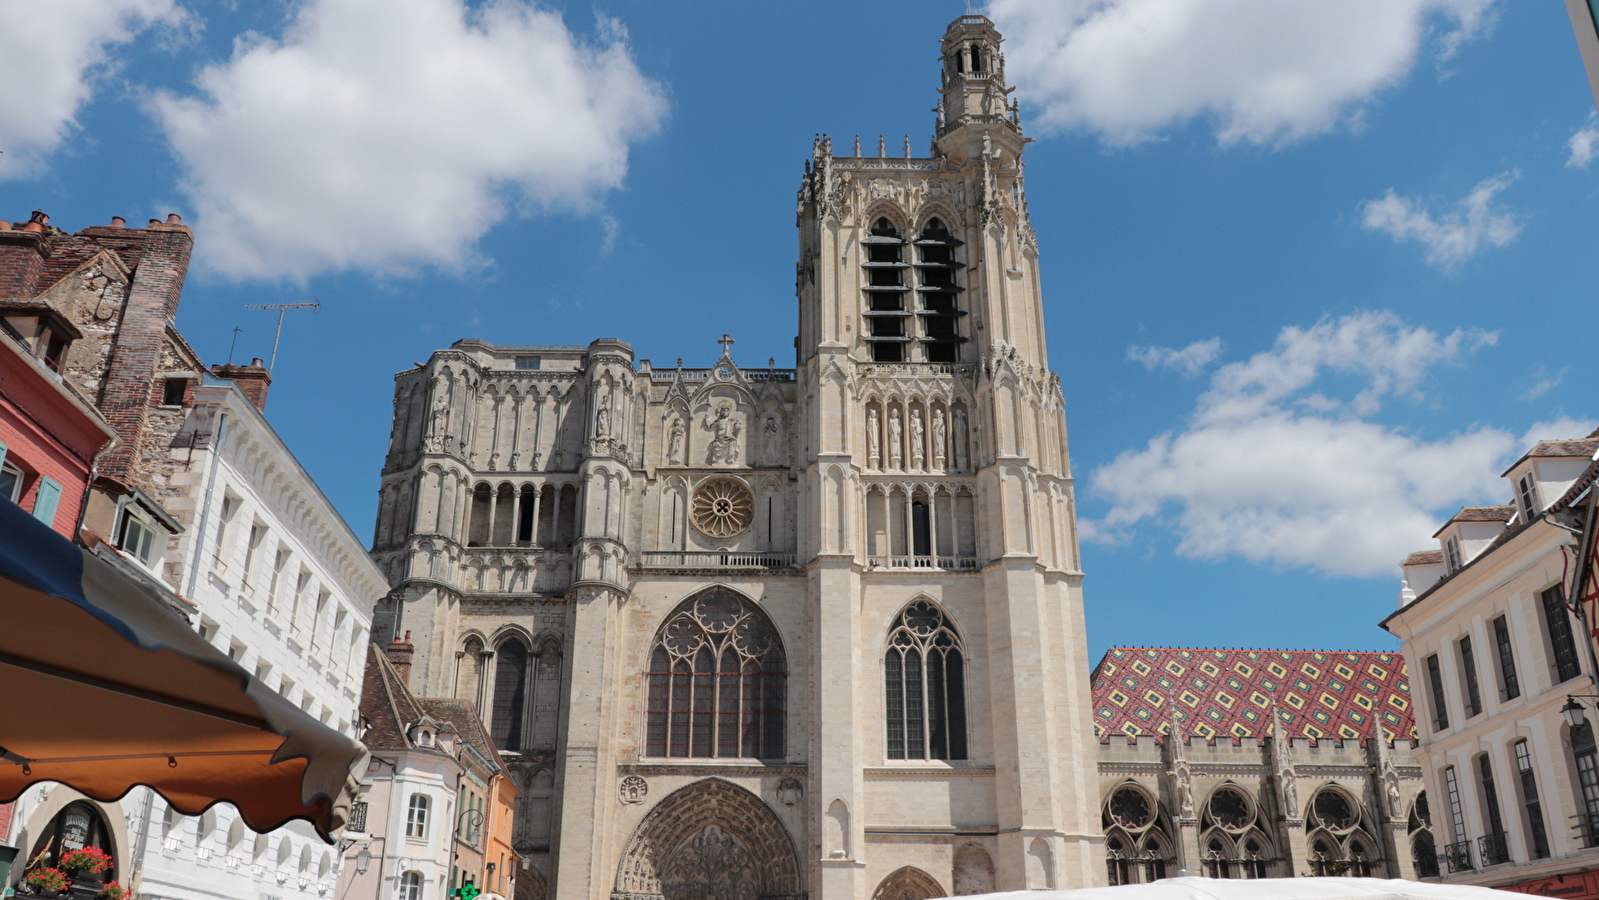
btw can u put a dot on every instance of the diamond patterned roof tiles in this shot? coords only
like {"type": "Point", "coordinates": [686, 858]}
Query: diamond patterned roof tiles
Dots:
{"type": "Point", "coordinates": [1319, 694]}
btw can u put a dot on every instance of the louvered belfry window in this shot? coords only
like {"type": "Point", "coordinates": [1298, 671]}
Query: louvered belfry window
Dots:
{"type": "Point", "coordinates": [925, 682]}
{"type": "Point", "coordinates": [718, 682]}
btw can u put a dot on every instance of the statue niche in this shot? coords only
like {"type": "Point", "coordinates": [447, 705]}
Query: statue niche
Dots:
{"type": "Point", "coordinates": [723, 426]}
{"type": "Point", "coordinates": [710, 840]}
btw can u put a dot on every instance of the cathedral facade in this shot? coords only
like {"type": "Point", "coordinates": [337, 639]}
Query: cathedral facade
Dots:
{"type": "Point", "coordinates": [756, 632]}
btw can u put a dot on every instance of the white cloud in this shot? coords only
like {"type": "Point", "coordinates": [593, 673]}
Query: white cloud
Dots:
{"type": "Point", "coordinates": [1273, 470]}
{"type": "Point", "coordinates": [1190, 360]}
{"type": "Point", "coordinates": [50, 55]}
{"type": "Point", "coordinates": [1263, 71]}
{"type": "Point", "coordinates": [1545, 384]}
{"type": "Point", "coordinates": [1452, 237]}
{"type": "Point", "coordinates": [386, 134]}
{"type": "Point", "coordinates": [1584, 144]}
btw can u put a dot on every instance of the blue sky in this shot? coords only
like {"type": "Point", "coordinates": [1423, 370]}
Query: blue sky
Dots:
{"type": "Point", "coordinates": [1311, 277]}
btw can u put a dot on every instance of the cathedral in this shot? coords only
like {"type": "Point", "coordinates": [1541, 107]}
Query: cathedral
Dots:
{"type": "Point", "coordinates": [747, 632]}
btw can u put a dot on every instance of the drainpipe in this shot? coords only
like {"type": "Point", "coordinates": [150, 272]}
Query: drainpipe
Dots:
{"type": "Point", "coordinates": [205, 509]}
{"type": "Point", "coordinates": [137, 878]}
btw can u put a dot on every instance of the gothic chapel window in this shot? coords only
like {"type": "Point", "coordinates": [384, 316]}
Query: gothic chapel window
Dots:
{"type": "Point", "coordinates": [887, 329]}
{"type": "Point", "coordinates": [925, 683]}
{"type": "Point", "coordinates": [718, 682]}
{"type": "Point", "coordinates": [510, 692]}
{"type": "Point", "coordinates": [940, 311]}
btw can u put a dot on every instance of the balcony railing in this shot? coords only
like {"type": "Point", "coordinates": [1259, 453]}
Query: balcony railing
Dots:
{"type": "Point", "coordinates": [1493, 849]}
{"type": "Point", "coordinates": [715, 559]}
{"type": "Point", "coordinates": [357, 821]}
{"type": "Point", "coordinates": [1586, 825]}
{"type": "Point", "coordinates": [1456, 857]}
{"type": "Point", "coordinates": [949, 563]}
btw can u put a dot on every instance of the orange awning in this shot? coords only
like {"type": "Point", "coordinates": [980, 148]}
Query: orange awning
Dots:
{"type": "Point", "coordinates": [103, 687]}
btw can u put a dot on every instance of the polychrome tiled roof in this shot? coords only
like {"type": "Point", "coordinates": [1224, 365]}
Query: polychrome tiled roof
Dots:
{"type": "Point", "coordinates": [1318, 694]}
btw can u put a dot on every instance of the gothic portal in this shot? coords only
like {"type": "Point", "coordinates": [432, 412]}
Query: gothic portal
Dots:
{"type": "Point", "coordinates": [759, 632]}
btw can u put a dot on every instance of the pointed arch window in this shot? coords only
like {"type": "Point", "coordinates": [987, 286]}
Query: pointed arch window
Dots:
{"type": "Point", "coordinates": [510, 694]}
{"type": "Point", "coordinates": [925, 674]}
{"type": "Point", "coordinates": [718, 682]}
{"type": "Point", "coordinates": [884, 283]}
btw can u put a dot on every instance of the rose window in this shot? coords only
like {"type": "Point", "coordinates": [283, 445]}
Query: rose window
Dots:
{"type": "Point", "coordinates": [722, 506]}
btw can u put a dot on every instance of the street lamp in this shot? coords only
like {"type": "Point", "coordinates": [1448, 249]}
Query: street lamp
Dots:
{"type": "Point", "coordinates": [1573, 708]}
{"type": "Point", "coordinates": [363, 861]}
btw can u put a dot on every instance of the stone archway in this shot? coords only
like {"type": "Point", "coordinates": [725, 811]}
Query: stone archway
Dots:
{"type": "Point", "coordinates": [710, 840]}
{"type": "Point", "coordinates": [908, 883]}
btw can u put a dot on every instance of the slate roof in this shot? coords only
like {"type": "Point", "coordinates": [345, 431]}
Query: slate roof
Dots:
{"type": "Point", "coordinates": [1583, 447]}
{"type": "Point", "coordinates": [462, 714]}
{"type": "Point", "coordinates": [386, 704]}
{"type": "Point", "coordinates": [1480, 514]}
{"type": "Point", "coordinates": [1424, 558]}
{"type": "Point", "coordinates": [1319, 694]}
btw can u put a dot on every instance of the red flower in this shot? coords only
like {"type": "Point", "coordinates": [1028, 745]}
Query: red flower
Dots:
{"type": "Point", "coordinates": [47, 879]}
{"type": "Point", "coordinates": [91, 859]}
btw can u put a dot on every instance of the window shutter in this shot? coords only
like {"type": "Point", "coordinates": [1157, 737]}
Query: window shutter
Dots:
{"type": "Point", "coordinates": [49, 497]}
{"type": "Point", "coordinates": [2, 453]}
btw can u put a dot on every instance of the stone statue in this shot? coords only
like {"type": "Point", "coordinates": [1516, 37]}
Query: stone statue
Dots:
{"type": "Point", "coordinates": [674, 443]}
{"type": "Point", "coordinates": [724, 431]}
{"type": "Point", "coordinates": [918, 431]}
{"type": "Point", "coordinates": [872, 426]}
{"type": "Point", "coordinates": [895, 439]}
{"type": "Point", "coordinates": [773, 442]}
{"type": "Point", "coordinates": [961, 445]}
{"type": "Point", "coordinates": [602, 420]}
{"type": "Point", "coordinates": [940, 438]}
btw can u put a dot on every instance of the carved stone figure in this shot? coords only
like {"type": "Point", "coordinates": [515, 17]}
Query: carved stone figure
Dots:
{"type": "Point", "coordinates": [674, 443]}
{"type": "Point", "coordinates": [961, 444]}
{"type": "Point", "coordinates": [873, 424]}
{"type": "Point", "coordinates": [633, 789]}
{"type": "Point", "coordinates": [918, 431]}
{"type": "Point", "coordinates": [940, 438]}
{"type": "Point", "coordinates": [602, 420]}
{"type": "Point", "coordinates": [772, 441]}
{"type": "Point", "coordinates": [724, 429]}
{"type": "Point", "coordinates": [895, 439]}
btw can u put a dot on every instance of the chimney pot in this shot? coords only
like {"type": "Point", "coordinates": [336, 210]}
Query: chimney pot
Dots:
{"type": "Point", "coordinates": [40, 216]}
{"type": "Point", "coordinates": [174, 219]}
{"type": "Point", "coordinates": [118, 222]}
{"type": "Point", "coordinates": [155, 221]}
{"type": "Point", "coordinates": [399, 654]}
{"type": "Point", "coordinates": [34, 227]}
{"type": "Point", "coordinates": [4, 225]}
{"type": "Point", "coordinates": [252, 380]}
{"type": "Point", "coordinates": [259, 363]}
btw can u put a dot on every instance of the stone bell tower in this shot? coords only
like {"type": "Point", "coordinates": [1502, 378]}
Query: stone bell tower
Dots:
{"type": "Point", "coordinates": [940, 509]}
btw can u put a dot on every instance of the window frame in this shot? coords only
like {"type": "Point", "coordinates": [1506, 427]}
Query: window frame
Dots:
{"type": "Point", "coordinates": [1468, 673]}
{"type": "Point", "coordinates": [1509, 682]}
{"type": "Point", "coordinates": [417, 810]}
{"type": "Point", "coordinates": [931, 726]}
{"type": "Point", "coordinates": [1538, 846]}
{"type": "Point", "coordinates": [150, 558]}
{"type": "Point", "coordinates": [1435, 690]}
{"type": "Point", "coordinates": [1563, 657]}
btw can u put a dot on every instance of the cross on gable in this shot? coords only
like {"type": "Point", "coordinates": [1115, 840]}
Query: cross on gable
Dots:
{"type": "Point", "coordinates": [727, 343]}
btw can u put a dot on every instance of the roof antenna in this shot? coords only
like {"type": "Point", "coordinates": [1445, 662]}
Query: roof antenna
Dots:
{"type": "Point", "coordinates": [233, 343]}
{"type": "Point", "coordinates": [281, 308]}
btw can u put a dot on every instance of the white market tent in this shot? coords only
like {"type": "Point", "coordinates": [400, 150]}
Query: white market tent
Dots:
{"type": "Point", "coordinates": [1267, 889]}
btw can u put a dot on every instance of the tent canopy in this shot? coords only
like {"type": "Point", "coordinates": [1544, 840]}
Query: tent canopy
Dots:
{"type": "Point", "coordinates": [106, 687]}
{"type": "Point", "coordinates": [1268, 889]}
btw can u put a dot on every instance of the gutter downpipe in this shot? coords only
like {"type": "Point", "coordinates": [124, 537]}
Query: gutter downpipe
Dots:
{"type": "Point", "coordinates": [205, 510]}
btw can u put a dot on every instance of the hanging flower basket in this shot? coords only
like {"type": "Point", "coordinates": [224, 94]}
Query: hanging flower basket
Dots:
{"type": "Point", "coordinates": [86, 859]}
{"type": "Point", "coordinates": [46, 880]}
{"type": "Point", "coordinates": [111, 891]}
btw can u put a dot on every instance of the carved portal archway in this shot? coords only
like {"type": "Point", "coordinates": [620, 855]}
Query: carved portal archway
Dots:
{"type": "Point", "coordinates": [710, 840]}
{"type": "Point", "coordinates": [908, 883]}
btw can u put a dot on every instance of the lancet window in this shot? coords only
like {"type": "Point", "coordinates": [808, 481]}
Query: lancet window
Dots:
{"type": "Point", "coordinates": [925, 676]}
{"type": "Point", "coordinates": [718, 682]}
{"type": "Point", "coordinates": [1423, 850]}
{"type": "Point", "coordinates": [884, 281]}
{"type": "Point", "coordinates": [1339, 840]}
{"type": "Point", "coordinates": [1232, 843]}
{"type": "Point", "coordinates": [510, 694]}
{"type": "Point", "coordinates": [1137, 845]}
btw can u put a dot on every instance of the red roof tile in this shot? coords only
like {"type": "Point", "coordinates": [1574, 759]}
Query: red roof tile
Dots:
{"type": "Point", "coordinates": [1319, 694]}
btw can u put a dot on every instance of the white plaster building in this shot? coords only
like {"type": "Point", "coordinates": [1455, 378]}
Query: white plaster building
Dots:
{"type": "Point", "coordinates": [1494, 651]}
{"type": "Point", "coordinates": [282, 585]}
{"type": "Point", "coordinates": [802, 632]}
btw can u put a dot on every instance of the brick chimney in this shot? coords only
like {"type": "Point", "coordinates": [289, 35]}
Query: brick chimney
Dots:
{"type": "Point", "coordinates": [23, 251]}
{"type": "Point", "coordinates": [400, 652]}
{"type": "Point", "coordinates": [252, 379]}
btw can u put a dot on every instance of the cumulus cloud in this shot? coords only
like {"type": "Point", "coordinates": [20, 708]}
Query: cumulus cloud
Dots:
{"type": "Point", "coordinates": [1190, 360]}
{"type": "Point", "coordinates": [384, 134]}
{"type": "Point", "coordinates": [1263, 71]}
{"type": "Point", "coordinates": [1584, 143]}
{"type": "Point", "coordinates": [50, 56]}
{"type": "Point", "coordinates": [1453, 237]}
{"type": "Point", "coordinates": [1276, 467]}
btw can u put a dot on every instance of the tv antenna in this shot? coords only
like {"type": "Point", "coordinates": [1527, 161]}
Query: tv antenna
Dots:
{"type": "Point", "coordinates": [233, 343]}
{"type": "Point", "coordinates": [282, 308]}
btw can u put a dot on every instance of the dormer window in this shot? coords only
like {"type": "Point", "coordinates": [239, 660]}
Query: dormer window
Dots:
{"type": "Point", "coordinates": [1452, 554]}
{"type": "Point", "coordinates": [39, 328]}
{"type": "Point", "coordinates": [1527, 494]}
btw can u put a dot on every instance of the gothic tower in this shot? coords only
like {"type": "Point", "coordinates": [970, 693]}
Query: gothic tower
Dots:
{"type": "Point", "coordinates": [800, 633]}
{"type": "Point", "coordinates": [935, 462]}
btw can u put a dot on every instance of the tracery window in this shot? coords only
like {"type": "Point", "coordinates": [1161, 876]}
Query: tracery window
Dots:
{"type": "Point", "coordinates": [1137, 846]}
{"type": "Point", "coordinates": [1340, 841]}
{"type": "Point", "coordinates": [925, 675]}
{"type": "Point", "coordinates": [510, 694]}
{"type": "Point", "coordinates": [1423, 850]}
{"type": "Point", "coordinates": [1234, 846]}
{"type": "Point", "coordinates": [718, 682]}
